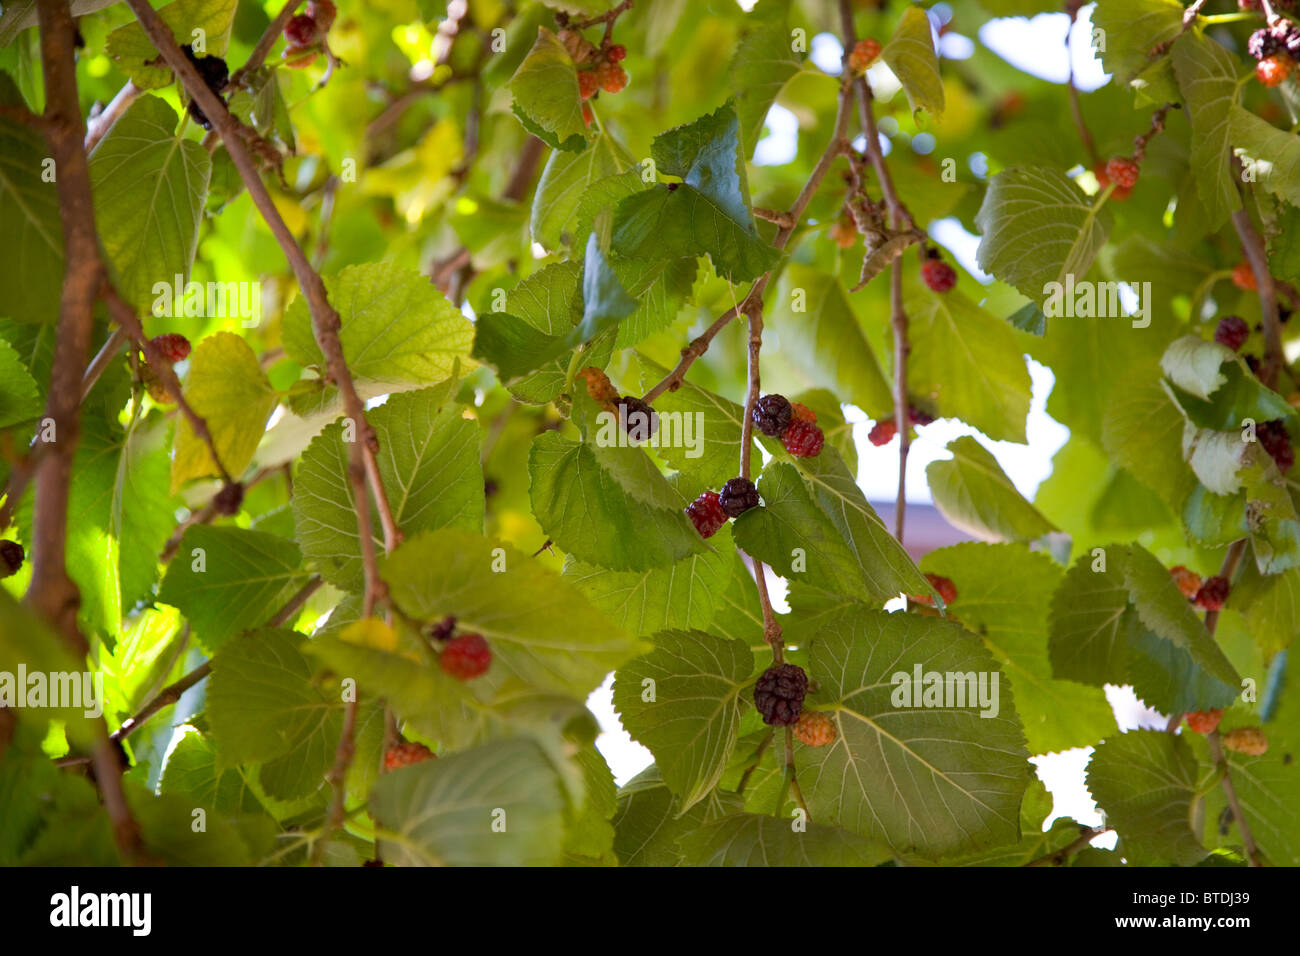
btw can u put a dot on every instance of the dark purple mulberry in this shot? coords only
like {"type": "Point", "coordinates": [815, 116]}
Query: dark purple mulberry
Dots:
{"type": "Point", "coordinates": [779, 694]}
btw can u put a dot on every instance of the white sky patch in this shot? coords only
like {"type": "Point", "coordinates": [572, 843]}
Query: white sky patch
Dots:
{"type": "Point", "coordinates": [827, 53]}
{"type": "Point", "coordinates": [952, 235]}
{"type": "Point", "coordinates": [781, 144]}
{"type": "Point", "coordinates": [1036, 45]}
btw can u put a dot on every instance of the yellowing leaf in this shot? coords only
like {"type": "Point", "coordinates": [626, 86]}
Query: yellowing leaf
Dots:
{"type": "Point", "coordinates": [226, 386]}
{"type": "Point", "coordinates": [910, 54]}
{"type": "Point", "coordinates": [136, 56]}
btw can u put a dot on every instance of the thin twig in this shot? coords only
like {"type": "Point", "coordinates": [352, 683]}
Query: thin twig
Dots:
{"type": "Point", "coordinates": [794, 774]}
{"type": "Point", "coordinates": [123, 314]}
{"type": "Point", "coordinates": [101, 123]}
{"type": "Point", "coordinates": [103, 358]}
{"type": "Point", "coordinates": [1076, 109]}
{"type": "Point", "coordinates": [1058, 857]}
{"type": "Point", "coordinates": [758, 758]}
{"type": "Point", "coordinates": [172, 693]}
{"type": "Point", "coordinates": [1221, 762]}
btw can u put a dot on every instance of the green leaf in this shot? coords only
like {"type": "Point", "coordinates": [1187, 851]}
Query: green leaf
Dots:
{"type": "Point", "coordinates": [763, 63]}
{"type": "Point", "coordinates": [690, 722]}
{"type": "Point", "coordinates": [1207, 76]}
{"type": "Point", "coordinates": [1004, 594]}
{"type": "Point", "coordinates": [681, 595]}
{"type": "Point", "coordinates": [589, 502]}
{"type": "Point", "coordinates": [495, 805]}
{"type": "Point", "coordinates": [1131, 29]}
{"type": "Point", "coordinates": [1272, 154]}
{"type": "Point", "coordinates": [539, 324]}
{"type": "Point", "coordinates": [750, 839]}
{"type": "Point", "coordinates": [708, 213]}
{"type": "Point", "coordinates": [135, 53]}
{"type": "Point", "coordinates": [647, 825]}
{"type": "Point", "coordinates": [20, 398]}
{"type": "Point", "coordinates": [968, 362]}
{"type": "Point", "coordinates": [150, 185]}
{"type": "Point", "coordinates": [1127, 623]}
{"type": "Point", "coordinates": [32, 241]}
{"type": "Point", "coordinates": [882, 561]}
{"type": "Point", "coordinates": [396, 328]}
{"type": "Point", "coordinates": [819, 333]}
{"type": "Point", "coordinates": [428, 462]}
{"type": "Point", "coordinates": [935, 780]}
{"type": "Point", "coordinates": [1145, 781]}
{"type": "Point", "coordinates": [228, 389]}
{"type": "Point", "coordinates": [660, 289]}
{"type": "Point", "coordinates": [192, 770]}
{"type": "Point", "coordinates": [799, 540]}
{"type": "Point", "coordinates": [1270, 605]}
{"type": "Point", "coordinates": [1037, 227]}
{"type": "Point", "coordinates": [974, 494]}
{"type": "Point", "coordinates": [227, 580]}
{"type": "Point", "coordinates": [1142, 430]}
{"type": "Point", "coordinates": [566, 179]}
{"type": "Point", "coordinates": [263, 705]}
{"type": "Point", "coordinates": [546, 98]}
{"type": "Point", "coordinates": [910, 54]}
{"type": "Point", "coordinates": [541, 628]}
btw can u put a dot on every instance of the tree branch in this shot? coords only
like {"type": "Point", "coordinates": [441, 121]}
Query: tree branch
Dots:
{"type": "Point", "coordinates": [52, 592]}
{"type": "Point", "coordinates": [172, 693]}
{"type": "Point", "coordinates": [698, 346]}
{"type": "Point", "coordinates": [124, 315]}
{"type": "Point", "coordinates": [103, 358]}
{"type": "Point", "coordinates": [362, 466]}
{"type": "Point", "coordinates": [1058, 858]}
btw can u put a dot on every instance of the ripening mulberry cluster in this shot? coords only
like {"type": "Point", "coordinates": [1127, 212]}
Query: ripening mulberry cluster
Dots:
{"type": "Point", "coordinates": [463, 656]}
{"type": "Point", "coordinates": [305, 33]}
{"type": "Point", "coordinates": [1276, 48]}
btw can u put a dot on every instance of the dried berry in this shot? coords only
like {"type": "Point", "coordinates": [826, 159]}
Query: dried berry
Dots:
{"type": "Point", "coordinates": [174, 347]}
{"type": "Point", "coordinates": [323, 12]}
{"type": "Point", "coordinates": [772, 414]}
{"type": "Point", "coordinates": [405, 754]}
{"type": "Point", "coordinates": [883, 432]}
{"type": "Point", "coordinates": [1246, 740]}
{"type": "Point", "coordinates": [227, 501]}
{"type": "Point", "coordinates": [706, 514]}
{"type": "Point", "coordinates": [301, 31]}
{"type": "Point", "coordinates": [815, 729]}
{"type": "Point", "coordinates": [779, 694]}
{"type": "Point", "coordinates": [1203, 721]}
{"type": "Point", "coordinates": [938, 275]}
{"type": "Point", "coordinates": [444, 629]}
{"type": "Point", "coordinates": [637, 418]}
{"type": "Point", "coordinates": [466, 657]}
{"type": "Point", "coordinates": [1213, 594]}
{"type": "Point", "coordinates": [1276, 440]}
{"type": "Point", "coordinates": [803, 439]}
{"type": "Point", "coordinates": [1188, 581]}
{"type": "Point", "coordinates": [11, 558]}
{"type": "Point", "coordinates": [1232, 331]}
{"type": "Point", "coordinates": [738, 495]}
